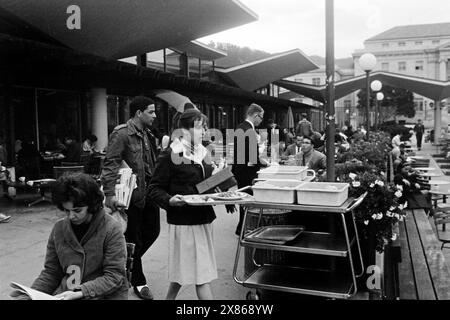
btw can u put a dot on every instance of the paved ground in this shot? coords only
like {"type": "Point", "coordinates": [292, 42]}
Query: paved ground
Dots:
{"type": "Point", "coordinates": [23, 241]}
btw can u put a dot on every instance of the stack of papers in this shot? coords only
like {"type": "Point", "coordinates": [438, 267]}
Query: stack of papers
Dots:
{"type": "Point", "coordinates": [127, 183]}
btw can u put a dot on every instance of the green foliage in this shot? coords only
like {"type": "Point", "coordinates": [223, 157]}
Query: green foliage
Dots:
{"type": "Point", "coordinates": [364, 167]}
{"type": "Point", "coordinates": [401, 99]}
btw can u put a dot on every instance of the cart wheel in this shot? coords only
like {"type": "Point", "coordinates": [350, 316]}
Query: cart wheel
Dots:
{"type": "Point", "coordinates": [252, 296]}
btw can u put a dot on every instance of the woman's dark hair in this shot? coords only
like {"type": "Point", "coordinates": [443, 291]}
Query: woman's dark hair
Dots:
{"type": "Point", "coordinates": [92, 137]}
{"type": "Point", "coordinates": [79, 188]}
{"type": "Point", "coordinates": [187, 119]}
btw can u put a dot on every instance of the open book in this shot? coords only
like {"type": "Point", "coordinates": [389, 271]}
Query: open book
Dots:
{"type": "Point", "coordinates": [22, 292]}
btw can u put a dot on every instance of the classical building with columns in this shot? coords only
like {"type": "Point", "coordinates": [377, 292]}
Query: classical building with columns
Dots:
{"type": "Point", "coordinates": [416, 50]}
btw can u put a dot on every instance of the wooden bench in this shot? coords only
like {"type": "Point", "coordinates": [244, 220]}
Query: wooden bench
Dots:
{"type": "Point", "coordinates": [422, 273]}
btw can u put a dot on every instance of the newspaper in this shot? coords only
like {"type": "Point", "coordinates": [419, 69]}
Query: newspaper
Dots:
{"type": "Point", "coordinates": [22, 292]}
{"type": "Point", "coordinates": [127, 183]}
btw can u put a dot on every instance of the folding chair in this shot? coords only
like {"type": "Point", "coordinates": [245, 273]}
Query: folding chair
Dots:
{"type": "Point", "coordinates": [129, 264]}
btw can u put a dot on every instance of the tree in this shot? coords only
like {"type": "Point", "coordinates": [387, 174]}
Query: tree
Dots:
{"type": "Point", "coordinates": [396, 102]}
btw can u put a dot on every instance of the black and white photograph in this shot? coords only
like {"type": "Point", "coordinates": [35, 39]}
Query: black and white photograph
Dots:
{"type": "Point", "coordinates": [253, 153]}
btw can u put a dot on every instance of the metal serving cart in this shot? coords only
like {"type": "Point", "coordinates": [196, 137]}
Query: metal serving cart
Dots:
{"type": "Point", "coordinates": [293, 279]}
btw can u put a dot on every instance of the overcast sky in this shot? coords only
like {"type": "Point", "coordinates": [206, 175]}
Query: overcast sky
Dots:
{"type": "Point", "coordinates": [288, 24]}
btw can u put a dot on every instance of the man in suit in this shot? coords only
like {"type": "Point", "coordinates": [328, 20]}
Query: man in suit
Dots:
{"type": "Point", "coordinates": [294, 148]}
{"type": "Point", "coordinates": [308, 157]}
{"type": "Point", "coordinates": [246, 155]}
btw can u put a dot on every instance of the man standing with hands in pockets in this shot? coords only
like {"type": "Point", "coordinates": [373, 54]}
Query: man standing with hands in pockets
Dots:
{"type": "Point", "coordinates": [134, 143]}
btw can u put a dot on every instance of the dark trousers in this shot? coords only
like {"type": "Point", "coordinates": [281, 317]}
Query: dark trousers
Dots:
{"type": "Point", "coordinates": [142, 229]}
{"type": "Point", "coordinates": [244, 179]}
{"type": "Point", "coordinates": [419, 140]}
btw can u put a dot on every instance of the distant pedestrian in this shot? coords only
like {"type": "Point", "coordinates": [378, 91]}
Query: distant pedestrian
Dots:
{"type": "Point", "coordinates": [304, 127]}
{"type": "Point", "coordinates": [419, 129]}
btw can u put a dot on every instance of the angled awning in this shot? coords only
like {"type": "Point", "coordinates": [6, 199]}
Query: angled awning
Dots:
{"type": "Point", "coordinates": [199, 50]}
{"type": "Point", "coordinates": [258, 74]}
{"type": "Point", "coordinates": [118, 29]}
{"type": "Point", "coordinates": [432, 89]}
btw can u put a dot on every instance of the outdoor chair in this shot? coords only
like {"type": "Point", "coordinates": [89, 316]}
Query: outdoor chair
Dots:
{"type": "Point", "coordinates": [59, 171]}
{"type": "Point", "coordinates": [129, 263]}
{"type": "Point", "coordinates": [442, 218]}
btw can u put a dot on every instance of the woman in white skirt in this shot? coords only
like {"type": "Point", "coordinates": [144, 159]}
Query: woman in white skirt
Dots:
{"type": "Point", "coordinates": [179, 168]}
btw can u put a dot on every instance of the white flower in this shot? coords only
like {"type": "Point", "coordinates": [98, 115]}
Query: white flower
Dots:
{"type": "Point", "coordinates": [352, 176]}
{"type": "Point", "coordinates": [405, 205]}
{"type": "Point", "coordinates": [401, 207]}
{"type": "Point", "coordinates": [417, 186]}
{"type": "Point", "coordinates": [399, 187]}
{"type": "Point", "coordinates": [406, 182]}
{"type": "Point", "coordinates": [374, 216]}
{"type": "Point", "coordinates": [366, 222]}
{"type": "Point", "coordinates": [400, 218]}
{"type": "Point", "coordinates": [372, 185]}
{"type": "Point", "coordinates": [379, 216]}
{"type": "Point", "coordinates": [397, 216]}
{"type": "Point", "coordinates": [392, 208]}
{"type": "Point", "coordinates": [398, 194]}
{"type": "Point", "coordinates": [389, 214]}
{"type": "Point", "coordinates": [394, 237]}
{"type": "Point", "coordinates": [356, 184]}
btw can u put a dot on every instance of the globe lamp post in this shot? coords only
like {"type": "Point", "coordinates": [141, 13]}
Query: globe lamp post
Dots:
{"type": "Point", "coordinates": [367, 63]}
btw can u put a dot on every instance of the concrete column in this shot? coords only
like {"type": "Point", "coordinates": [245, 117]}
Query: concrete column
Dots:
{"type": "Point", "coordinates": [99, 117]}
{"type": "Point", "coordinates": [443, 70]}
{"type": "Point", "coordinates": [437, 120]}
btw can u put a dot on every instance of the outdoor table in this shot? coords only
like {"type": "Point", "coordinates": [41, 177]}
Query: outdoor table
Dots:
{"type": "Point", "coordinates": [41, 186]}
{"type": "Point", "coordinates": [429, 175]}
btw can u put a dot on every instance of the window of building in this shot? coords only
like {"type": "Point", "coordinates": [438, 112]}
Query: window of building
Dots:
{"type": "Point", "coordinates": [402, 66]}
{"type": "Point", "coordinates": [402, 44]}
{"type": "Point", "coordinates": [385, 66]}
{"type": "Point", "coordinates": [385, 45]}
{"type": "Point", "coordinates": [316, 81]}
{"type": "Point", "coordinates": [419, 65]}
{"type": "Point", "coordinates": [418, 105]}
{"type": "Point", "coordinates": [435, 41]}
{"type": "Point", "coordinates": [419, 43]}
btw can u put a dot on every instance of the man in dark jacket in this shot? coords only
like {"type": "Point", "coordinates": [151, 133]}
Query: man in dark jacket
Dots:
{"type": "Point", "coordinates": [134, 143]}
{"type": "Point", "coordinates": [419, 129]}
{"type": "Point", "coordinates": [246, 160]}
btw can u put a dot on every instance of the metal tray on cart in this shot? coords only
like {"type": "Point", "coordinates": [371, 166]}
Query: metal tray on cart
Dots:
{"type": "Point", "coordinates": [277, 234]}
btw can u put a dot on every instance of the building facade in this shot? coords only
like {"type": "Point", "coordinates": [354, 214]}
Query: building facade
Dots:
{"type": "Point", "coordinates": [416, 50]}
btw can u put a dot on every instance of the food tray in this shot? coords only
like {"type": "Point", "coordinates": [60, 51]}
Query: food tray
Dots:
{"type": "Point", "coordinates": [322, 194]}
{"type": "Point", "coordinates": [276, 191]}
{"type": "Point", "coordinates": [213, 200]}
{"type": "Point", "coordinates": [283, 172]}
{"type": "Point", "coordinates": [275, 234]}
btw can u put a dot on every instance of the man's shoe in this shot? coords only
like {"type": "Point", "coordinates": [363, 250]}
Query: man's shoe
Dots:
{"type": "Point", "coordinates": [144, 294]}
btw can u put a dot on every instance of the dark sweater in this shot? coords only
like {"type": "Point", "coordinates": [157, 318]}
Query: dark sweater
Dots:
{"type": "Point", "coordinates": [170, 179]}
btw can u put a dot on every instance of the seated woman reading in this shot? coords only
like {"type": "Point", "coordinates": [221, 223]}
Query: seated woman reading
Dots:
{"type": "Point", "coordinates": [86, 251]}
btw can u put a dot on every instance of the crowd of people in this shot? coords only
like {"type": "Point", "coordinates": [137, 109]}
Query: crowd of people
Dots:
{"type": "Point", "coordinates": [167, 168]}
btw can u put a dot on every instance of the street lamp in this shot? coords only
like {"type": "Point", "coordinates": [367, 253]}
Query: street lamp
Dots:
{"type": "Point", "coordinates": [367, 62]}
{"type": "Point", "coordinates": [376, 86]}
{"type": "Point", "coordinates": [380, 97]}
